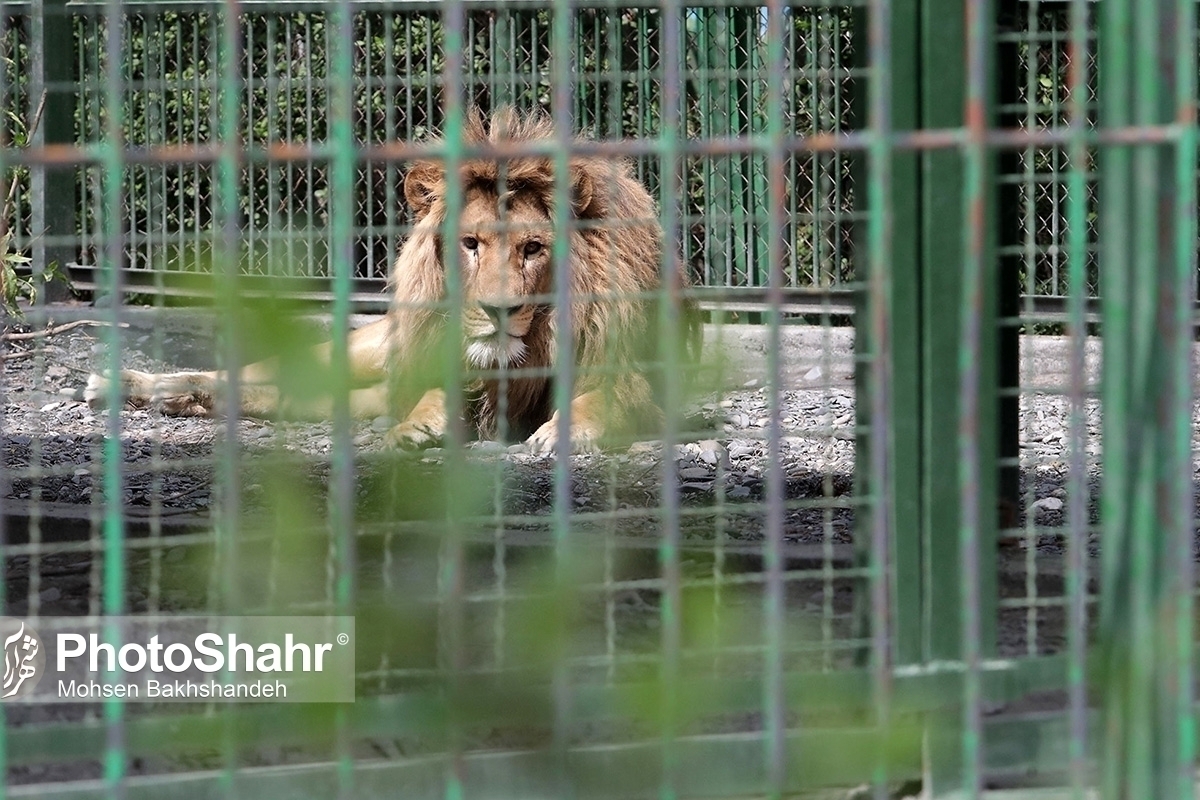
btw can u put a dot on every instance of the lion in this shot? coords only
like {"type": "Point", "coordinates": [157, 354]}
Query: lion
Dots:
{"type": "Point", "coordinates": [506, 245]}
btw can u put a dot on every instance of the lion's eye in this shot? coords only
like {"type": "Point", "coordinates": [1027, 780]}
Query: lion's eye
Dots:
{"type": "Point", "coordinates": [470, 242]}
{"type": "Point", "coordinates": [532, 249]}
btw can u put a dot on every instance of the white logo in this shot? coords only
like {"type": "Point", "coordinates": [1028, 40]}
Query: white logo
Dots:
{"type": "Point", "coordinates": [24, 659]}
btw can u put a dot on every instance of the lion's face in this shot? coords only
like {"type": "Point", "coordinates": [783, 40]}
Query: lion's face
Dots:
{"type": "Point", "coordinates": [504, 249]}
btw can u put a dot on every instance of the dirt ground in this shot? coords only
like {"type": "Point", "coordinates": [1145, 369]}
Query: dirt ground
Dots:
{"type": "Point", "coordinates": [172, 478]}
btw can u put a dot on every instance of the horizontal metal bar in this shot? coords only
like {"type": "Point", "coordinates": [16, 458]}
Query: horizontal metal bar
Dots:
{"type": "Point", "coordinates": [401, 6]}
{"type": "Point", "coordinates": [707, 766]}
{"type": "Point", "coordinates": [924, 689]}
{"type": "Point", "coordinates": [287, 152]}
{"type": "Point", "coordinates": [368, 295]}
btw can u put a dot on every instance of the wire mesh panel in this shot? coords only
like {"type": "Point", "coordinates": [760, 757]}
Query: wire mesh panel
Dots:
{"type": "Point", "coordinates": [171, 81]}
{"type": "Point", "coordinates": [594, 540]}
{"type": "Point", "coordinates": [583, 557]}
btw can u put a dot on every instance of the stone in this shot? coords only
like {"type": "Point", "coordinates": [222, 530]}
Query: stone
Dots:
{"type": "Point", "coordinates": [1047, 504]}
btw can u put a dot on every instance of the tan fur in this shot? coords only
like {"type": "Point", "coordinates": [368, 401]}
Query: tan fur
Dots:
{"type": "Point", "coordinates": [505, 251]}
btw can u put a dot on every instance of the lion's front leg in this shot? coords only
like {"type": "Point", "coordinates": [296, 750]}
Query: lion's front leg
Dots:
{"type": "Point", "coordinates": [425, 426]}
{"type": "Point", "coordinates": [590, 420]}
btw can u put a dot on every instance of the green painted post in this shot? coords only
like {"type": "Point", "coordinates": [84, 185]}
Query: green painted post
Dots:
{"type": "Point", "coordinates": [952, 501]}
{"type": "Point", "coordinates": [1147, 66]}
{"type": "Point", "coordinates": [503, 59]}
{"type": "Point", "coordinates": [52, 189]}
{"type": "Point", "coordinates": [758, 201]}
{"type": "Point", "coordinates": [903, 502]}
{"type": "Point", "coordinates": [713, 53]}
{"type": "Point", "coordinates": [743, 262]}
{"type": "Point", "coordinates": [942, 256]}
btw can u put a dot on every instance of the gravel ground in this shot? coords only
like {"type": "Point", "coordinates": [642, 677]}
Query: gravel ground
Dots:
{"type": "Point", "coordinates": [53, 444]}
{"type": "Point", "coordinates": [46, 425]}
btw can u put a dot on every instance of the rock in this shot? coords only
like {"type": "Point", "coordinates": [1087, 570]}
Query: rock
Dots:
{"type": "Point", "coordinates": [813, 374]}
{"type": "Point", "coordinates": [175, 555]}
{"type": "Point", "coordinates": [1047, 504]}
{"type": "Point", "coordinates": [645, 448]}
{"type": "Point", "coordinates": [750, 384]}
{"type": "Point", "coordinates": [488, 446]}
{"type": "Point", "coordinates": [738, 492]}
{"type": "Point", "coordinates": [711, 452]}
{"type": "Point", "coordinates": [741, 449]}
{"type": "Point", "coordinates": [50, 595]}
{"type": "Point", "coordinates": [694, 473]}
{"type": "Point", "coordinates": [382, 424]}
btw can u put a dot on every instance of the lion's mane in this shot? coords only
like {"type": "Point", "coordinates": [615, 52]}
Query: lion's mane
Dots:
{"type": "Point", "coordinates": [615, 262]}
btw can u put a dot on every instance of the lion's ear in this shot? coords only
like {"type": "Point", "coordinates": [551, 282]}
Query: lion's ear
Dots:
{"type": "Point", "coordinates": [422, 185]}
{"type": "Point", "coordinates": [582, 191]}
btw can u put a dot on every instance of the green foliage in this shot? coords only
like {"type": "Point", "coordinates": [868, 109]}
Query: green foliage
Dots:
{"type": "Point", "coordinates": [15, 279]}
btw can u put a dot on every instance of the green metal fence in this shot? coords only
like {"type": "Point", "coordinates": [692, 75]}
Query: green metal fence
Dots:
{"type": "Point", "coordinates": [170, 79]}
{"type": "Point", "coordinates": [848, 561]}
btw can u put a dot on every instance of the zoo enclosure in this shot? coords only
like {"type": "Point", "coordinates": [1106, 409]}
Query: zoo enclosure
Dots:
{"type": "Point", "coordinates": [944, 608]}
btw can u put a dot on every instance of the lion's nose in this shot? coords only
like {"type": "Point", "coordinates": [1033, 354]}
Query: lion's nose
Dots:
{"type": "Point", "coordinates": [499, 314]}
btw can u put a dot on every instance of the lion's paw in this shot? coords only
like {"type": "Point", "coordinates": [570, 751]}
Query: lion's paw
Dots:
{"type": "Point", "coordinates": [544, 441]}
{"type": "Point", "coordinates": [134, 387]}
{"type": "Point", "coordinates": [409, 435]}
{"type": "Point", "coordinates": [136, 390]}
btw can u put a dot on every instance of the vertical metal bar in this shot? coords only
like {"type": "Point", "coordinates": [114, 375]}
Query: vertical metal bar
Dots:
{"type": "Point", "coordinates": [774, 699]}
{"type": "Point", "coordinates": [503, 58]}
{"type": "Point", "coordinates": [111, 258]}
{"type": "Point", "coordinates": [225, 50]}
{"type": "Point", "coordinates": [670, 185]}
{"type": "Point", "coordinates": [970, 431]}
{"type": "Point", "coordinates": [1180, 674]}
{"type": "Point", "coordinates": [1147, 250]}
{"type": "Point", "coordinates": [341, 489]}
{"type": "Point", "coordinates": [944, 89]}
{"type": "Point", "coordinates": [899, 342]}
{"type": "Point", "coordinates": [273, 174]}
{"type": "Point", "coordinates": [1077, 486]}
{"type": "Point", "coordinates": [880, 308]}
{"type": "Point", "coordinates": [391, 200]}
{"type": "Point", "coordinates": [53, 215]}
{"type": "Point", "coordinates": [743, 267]}
{"type": "Point", "coordinates": [561, 70]}
{"type": "Point", "coordinates": [451, 583]}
